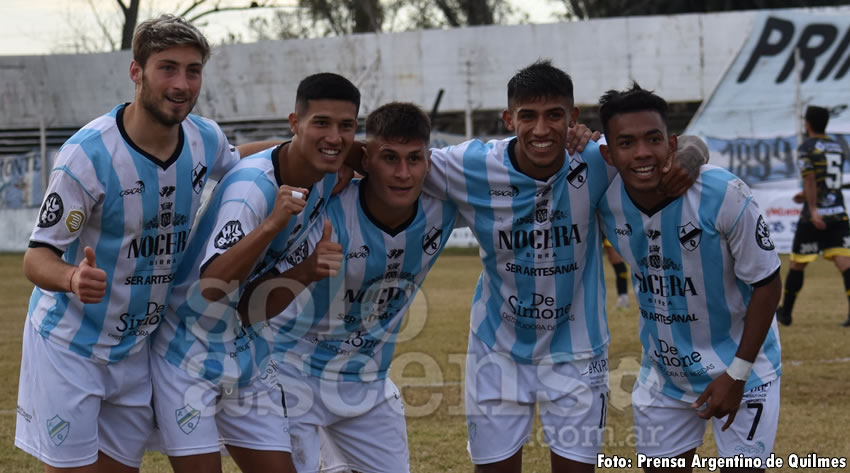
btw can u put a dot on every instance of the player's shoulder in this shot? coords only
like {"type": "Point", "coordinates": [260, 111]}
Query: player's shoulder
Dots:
{"type": "Point", "coordinates": [715, 179]}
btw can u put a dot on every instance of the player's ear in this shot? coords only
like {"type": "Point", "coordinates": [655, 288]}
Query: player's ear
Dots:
{"type": "Point", "coordinates": [508, 119]}
{"type": "Point", "coordinates": [136, 72]}
{"type": "Point", "coordinates": [293, 122]}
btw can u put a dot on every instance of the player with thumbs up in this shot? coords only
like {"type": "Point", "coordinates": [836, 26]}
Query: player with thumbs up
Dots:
{"type": "Point", "coordinates": [343, 306]}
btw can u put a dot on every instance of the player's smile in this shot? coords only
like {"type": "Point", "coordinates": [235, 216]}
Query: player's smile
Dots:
{"type": "Point", "coordinates": [324, 133]}
{"type": "Point", "coordinates": [169, 83]}
{"type": "Point", "coordinates": [396, 174]}
{"type": "Point", "coordinates": [541, 129]}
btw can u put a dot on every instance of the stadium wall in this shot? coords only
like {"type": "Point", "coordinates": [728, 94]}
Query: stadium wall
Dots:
{"type": "Point", "coordinates": [680, 56]}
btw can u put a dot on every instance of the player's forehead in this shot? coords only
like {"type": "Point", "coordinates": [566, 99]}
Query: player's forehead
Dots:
{"type": "Point", "coordinates": [401, 146]}
{"type": "Point", "coordinates": [181, 54]}
{"type": "Point", "coordinates": [635, 124]}
{"type": "Point", "coordinates": [330, 108]}
{"type": "Point", "coordinates": [541, 104]}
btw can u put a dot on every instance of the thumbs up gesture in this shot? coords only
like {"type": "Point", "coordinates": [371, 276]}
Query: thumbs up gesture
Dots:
{"type": "Point", "coordinates": [326, 259]}
{"type": "Point", "coordinates": [88, 282]}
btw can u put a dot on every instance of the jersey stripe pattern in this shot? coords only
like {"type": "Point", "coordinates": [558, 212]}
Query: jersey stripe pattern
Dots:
{"type": "Point", "coordinates": [207, 339]}
{"type": "Point", "coordinates": [693, 265]}
{"type": "Point", "coordinates": [135, 211]}
{"type": "Point", "coordinates": [345, 327]}
{"type": "Point", "coordinates": [541, 294]}
{"type": "Point", "coordinates": [824, 158]}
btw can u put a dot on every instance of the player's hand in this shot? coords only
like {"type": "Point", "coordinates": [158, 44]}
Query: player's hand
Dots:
{"type": "Point", "coordinates": [578, 136]}
{"type": "Point", "coordinates": [817, 221]}
{"type": "Point", "coordinates": [675, 180]}
{"type": "Point", "coordinates": [799, 198]}
{"type": "Point", "coordinates": [326, 259]}
{"type": "Point", "coordinates": [722, 397]}
{"type": "Point", "coordinates": [344, 176]}
{"type": "Point", "coordinates": [88, 282]}
{"type": "Point", "coordinates": [288, 202]}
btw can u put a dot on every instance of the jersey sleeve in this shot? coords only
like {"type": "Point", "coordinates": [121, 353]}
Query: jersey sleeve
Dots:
{"type": "Point", "coordinates": [437, 180]}
{"type": "Point", "coordinates": [226, 157]}
{"type": "Point", "coordinates": [805, 159]}
{"type": "Point", "coordinates": [70, 199]}
{"type": "Point", "coordinates": [243, 207]}
{"type": "Point", "coordinates": [747, 235]}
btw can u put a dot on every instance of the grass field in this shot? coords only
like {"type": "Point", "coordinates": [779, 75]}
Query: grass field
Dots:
{"type": "Point", "coordinates": [428, 368]}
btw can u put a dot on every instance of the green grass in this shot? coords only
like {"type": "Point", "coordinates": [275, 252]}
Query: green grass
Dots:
{"type": "Point", "coordinates": [429, 364]}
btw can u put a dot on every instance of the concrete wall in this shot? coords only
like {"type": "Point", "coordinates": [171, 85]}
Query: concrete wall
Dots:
{"type": "Point", "coordinates": [679, 56]}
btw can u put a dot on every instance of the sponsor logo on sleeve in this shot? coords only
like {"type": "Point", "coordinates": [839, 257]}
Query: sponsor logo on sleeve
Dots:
{"type": "Point", "coordinates": [229, 235]}
{"type": "Point", "coordinates": [75, 221]}
{"type": "Point", "coordinates": [51, 211]}
{"type": "Point", "coordinates": [763, 235]}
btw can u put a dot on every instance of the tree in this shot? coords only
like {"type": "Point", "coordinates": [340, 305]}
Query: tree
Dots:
{"type": "Point", "coordinates": [317, 18]}
{"type": "Point", "coordinates": [585, 9]}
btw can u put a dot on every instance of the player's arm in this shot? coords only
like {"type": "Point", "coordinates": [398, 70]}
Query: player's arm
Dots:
{"type": "Point", "coordinates": [271, 293]}
{"type": "Point", "coordinates": [723, 395]}
{"type": "Point", "coordinates": [810, 194]}
{"type": "Point", "coordinates": [235, 264]}
{"type": "Point", "coordinates": [44, 268]}
{"type": "Point", "coordinates": [247, 149]}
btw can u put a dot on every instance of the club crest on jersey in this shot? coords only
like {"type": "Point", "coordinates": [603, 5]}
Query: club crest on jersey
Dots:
{"type": "Point", "coordinates": [541, 211]}
{"type": "Point", "coordinates": [58, 429]}
{"type": "Point", "coordinates": [187, 418]}
{"type": "Point", "coordinates": [431, 241]}
{"type": "Point", "coordinates": [763, 235]}
{"type": "Point", "coordinates": [229, 235]}
{"type": "Point", "coordinates": [198, 177]}
{"type": "Point", "coordinates": [578, 173]}
{"type": "Point", "coordinates": [75, 221]}
{"type": "Point", "coordinates": [392, 272]}
{"type": "Point", "coordinates": [51, 211]}
{"type": "Point", "coordinates": [689, 236]}
{"type": "Point", "coordinates": [165, 214]}
{"type": "Point", "coordinates": [395, 253]}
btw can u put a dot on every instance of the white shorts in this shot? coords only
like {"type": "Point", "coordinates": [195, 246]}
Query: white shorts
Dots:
{"type": "Point", "coordinates": [345, 424]}
{"type": "Point", "coordinates": [501, 395]}
{"type": "Point", "coordinates": [667, 427]}
{"type": "Point", "coordinates": [195, 416]}
{"type": "Point", "coordinates": [71, 407]}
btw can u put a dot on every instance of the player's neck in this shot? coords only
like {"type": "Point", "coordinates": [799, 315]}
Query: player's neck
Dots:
{"type": "Point", "coordinates": [295, 169]}
{"type": "Point", "coordinates": [387, 216]}
{"type": "Point", "coordinates": [154, 137]}
{"type": "Point", "coordinates": [647, 201]}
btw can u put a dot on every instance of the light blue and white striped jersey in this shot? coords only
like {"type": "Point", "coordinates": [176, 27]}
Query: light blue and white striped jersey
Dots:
{"type": "Point", "coordinates": [345, 327]}
{"type": "Point", "coordinates": [693, 263]}
{"type": "Point", "coordinates": [541, 295]}
{"type": "Point", "coordinates": [207, 339]}
{"type": "Point", "coordinates": [135, 211]}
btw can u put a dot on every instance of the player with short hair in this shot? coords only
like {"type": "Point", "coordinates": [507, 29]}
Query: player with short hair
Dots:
{"type": "Point", "coordinates": [706, 279]}
{"type": "Point", "coordinates": [109, 238]}
{"type": "Point", "coordinates": [823, 224]}
{"type": "Point", "coordinates": [539, 334]}
{"type": "Point", "coordinates": [208, 369]}
{"type": "Point", "coordinates": [335, 342]}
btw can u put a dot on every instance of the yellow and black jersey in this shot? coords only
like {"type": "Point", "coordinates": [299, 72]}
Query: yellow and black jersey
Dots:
{"type": "Point", "coordinates": [824, 157]}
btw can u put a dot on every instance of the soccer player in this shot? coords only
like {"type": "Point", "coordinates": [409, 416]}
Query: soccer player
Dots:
{"type": "Point", "coordinates": [334, 344]}
{"type": "Point", "coordinates": [209, 370]}
{"type": "Point", "coordinates": [706, 278]}
{"type": "Point", "coordinates": [621, 274]}
{"type": "Point", "coordinates": [823, 224]}
{"type": "Point", "coordinates": [108, 240]}
{"type": "Point", "coordinates": [539, 333]}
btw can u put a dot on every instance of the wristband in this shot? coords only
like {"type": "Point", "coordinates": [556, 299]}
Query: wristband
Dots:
{"type": "Point", "coordinates": [71, 280]}
{"type": "Point", "coordinates": [740, 369]}
{"type": "Point", "coordinates": [297, 195]}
